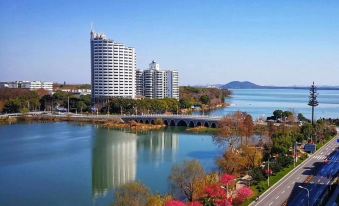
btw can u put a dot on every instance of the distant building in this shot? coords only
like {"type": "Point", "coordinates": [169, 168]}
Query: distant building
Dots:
{"type": "Point", "coordinates": [155, 83]}
{"type": "Point", "coordinates": [31, 85]}
{"type": "Point", "coordinates": [113, 68]}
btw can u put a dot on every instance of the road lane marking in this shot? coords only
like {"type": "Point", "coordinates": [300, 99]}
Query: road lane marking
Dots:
{"type": "Point", "coordinates": [270, 204]}
{"type": "Point", "coordinates": [283, 192]}
{"type": "Point", "coordinates": [277, 197]}
{"type": "Point", "coordinates": [288, 186]}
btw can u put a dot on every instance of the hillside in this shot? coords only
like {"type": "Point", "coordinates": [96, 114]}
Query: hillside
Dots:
{"type": "Point", "coordinates": [211, 97]}
{"type": "Point", "coordinates": [240, 85]}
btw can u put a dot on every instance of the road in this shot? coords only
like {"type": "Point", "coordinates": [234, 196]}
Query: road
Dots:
{"type": "Point", "coordinates": [318, 184]}
{"type": "Point", "coordinates": [280, 193]}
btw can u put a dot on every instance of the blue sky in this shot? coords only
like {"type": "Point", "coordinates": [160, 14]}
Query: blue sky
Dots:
{"type": "Point", "coordinates": [282, 42]}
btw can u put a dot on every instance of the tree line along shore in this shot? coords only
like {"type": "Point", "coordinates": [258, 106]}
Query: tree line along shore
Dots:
{"type": "Point", "coordinates": [191, 98]}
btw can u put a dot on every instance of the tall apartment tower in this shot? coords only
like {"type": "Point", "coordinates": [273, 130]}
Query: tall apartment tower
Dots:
{"type": "Point", "coordinates": [139, 87]}
{"type": "Point", "coordinates": [113, 68]}
{"type": "Point", "coordinates": [172, 83]}
{"type": "Point", "coordinates": [159, 84]}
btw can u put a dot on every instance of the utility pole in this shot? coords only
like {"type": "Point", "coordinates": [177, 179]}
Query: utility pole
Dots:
{"type": "Point", "coordinates": [294, 154]}
{"type": "Point", "coordinates": [68, 104]}
{"type": "Point", "coordinates": [268, 171]}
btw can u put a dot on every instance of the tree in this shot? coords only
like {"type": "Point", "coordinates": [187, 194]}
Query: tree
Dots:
{"type": "Point", "coordinates": [157, 200]}
{"type": "Point", "coordinates": [80, 105]}
{"type": "Point", "coordinates": [205, 99]}
{"type": "Point", "coordinates": [185, 104]}
{"type": "Point", "coordinates": [313, 102]}
{"type": "Point", "coordinates": [248, 127]}
{"type": "Point", "coordinates": [12, 106]}
{"type": "Point", "coordinates": [183, 176]}
{"type": "Point", "coordinates": [278, 114]}
{"type": "Point", "coordinates": [132, 194]}
{"type": "Point", "coordinates": [201, 184]}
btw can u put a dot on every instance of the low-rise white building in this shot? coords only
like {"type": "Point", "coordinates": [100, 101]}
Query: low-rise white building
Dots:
{"type": "Point", "coordinates": [31, 85]}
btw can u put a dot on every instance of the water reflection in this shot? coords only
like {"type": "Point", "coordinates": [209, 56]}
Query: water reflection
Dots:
{"type": "Point", "coordinates": [114, 160]}
{"type": "Point", "coordinates": [158, 145]}
{"type": "Point", "coordinates": [115, 155]}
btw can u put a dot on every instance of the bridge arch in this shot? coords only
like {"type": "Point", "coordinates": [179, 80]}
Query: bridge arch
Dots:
{"type": "Point", "coordinates": [152, 121]}
{"type": "Point", "coordinates": [191, 124]}
{"type": "Point", "coordinates": [166, 122]}
{"type": "Point", "coordinates": [182, 123]}
{"type": "Point", "coordinates": [198, 124]}
{"type": "Point", "coordinates": [141, 121]}
{"type": "Point", "coordinates": [206, 124]}
{"type": "Point", "coordinates": [146, 121]}
{"type": "Point", "coordinates": [213, 125]}
{"type": "Point", "coordinates": [172, 123]}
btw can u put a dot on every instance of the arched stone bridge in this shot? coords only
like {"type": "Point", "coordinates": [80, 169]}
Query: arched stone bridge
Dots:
{"type": "Point", "coordinates": [176, 120]}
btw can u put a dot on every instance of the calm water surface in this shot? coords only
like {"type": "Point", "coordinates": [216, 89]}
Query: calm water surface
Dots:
{"type": "Point", "coordinates": [68, 164]}
{"type": "Point", "coordinates": [64, 164]}
{"type": "Point", "coordinates": [262, 102]}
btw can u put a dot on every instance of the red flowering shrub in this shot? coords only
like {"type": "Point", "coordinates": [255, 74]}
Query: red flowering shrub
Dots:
{"type": "Point", "coordinates": [175, 203]}
{"type": "Point", "coordinates": [195, 203]}
{"type": "Point", "coordinates": [227, 179]}
{"type": "Point", "coordinates": [215, 191]}
{"type": "Point", "coordinates": [243, 194]}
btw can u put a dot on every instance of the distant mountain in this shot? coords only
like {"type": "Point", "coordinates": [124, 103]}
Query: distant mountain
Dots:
{"type": "Point", "coordinates": [241, 85]}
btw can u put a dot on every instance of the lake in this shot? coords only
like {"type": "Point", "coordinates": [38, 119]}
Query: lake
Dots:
{"type": "Point", "coordinates": [262, 102]}
{"type": "Point", "coordinates": [71, 164]}
{"type": "Point", "coordinates": [64, 163]}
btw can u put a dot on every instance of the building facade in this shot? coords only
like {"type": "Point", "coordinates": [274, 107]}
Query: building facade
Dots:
{"type": "Point", "coordinates": [31, 85]}
{"type": "Point", "coordinates": [113, 68]}
{"type": "Point", "coordinates": [157, 83]}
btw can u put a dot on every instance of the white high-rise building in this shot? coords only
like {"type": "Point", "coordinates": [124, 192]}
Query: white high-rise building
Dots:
{"type": "Point", "coordinates": [113, 68]}
{"type": "Point", "coordinates": [159, 84]}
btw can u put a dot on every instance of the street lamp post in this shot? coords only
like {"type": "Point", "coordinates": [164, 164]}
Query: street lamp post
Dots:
{"type": "Point", "coordinates": [268, 171]}
{"type": "Point", "coordinates": [308, 194]}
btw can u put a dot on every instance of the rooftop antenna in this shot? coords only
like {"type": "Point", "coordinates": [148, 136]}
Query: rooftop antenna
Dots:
{"type": "Point", "coordinates": [91, 26]}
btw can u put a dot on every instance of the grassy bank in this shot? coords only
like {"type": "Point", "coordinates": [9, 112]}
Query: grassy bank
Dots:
{"type": "Point", "coordinates": [203, 130]}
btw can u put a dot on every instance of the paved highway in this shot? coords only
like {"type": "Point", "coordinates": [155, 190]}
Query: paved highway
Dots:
{"type": "Point", "coordinates": [279, 193]}
{"type": "Point", "coordinates": [317, 184]}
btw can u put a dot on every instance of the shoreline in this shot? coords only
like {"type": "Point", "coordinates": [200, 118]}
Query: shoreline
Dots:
{"type": "Point", "coordinates": [112, 123]}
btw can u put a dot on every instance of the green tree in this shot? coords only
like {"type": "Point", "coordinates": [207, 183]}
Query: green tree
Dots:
{"type": "Point", "coordinates": [278, 114]}
{"type": "Point", "coordinates": [205, 99]}
{"type": "Point", "coordinates": [80, 105]}
{"type": "Point", "coordinates": [12, 106]}
{"type": "Point", "coordinates": [185, 104]}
